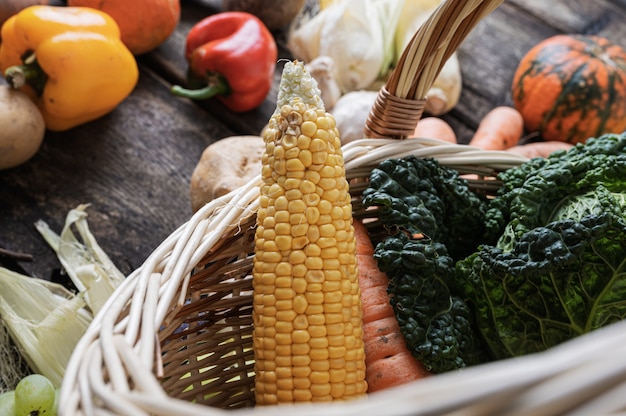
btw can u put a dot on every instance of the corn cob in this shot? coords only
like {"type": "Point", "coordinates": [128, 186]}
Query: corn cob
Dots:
{"type": "Point", "coordinates": [308, 338]}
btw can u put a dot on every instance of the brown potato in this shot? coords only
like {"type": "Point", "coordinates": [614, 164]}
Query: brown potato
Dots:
{"type": "Point", "coordinates": [224, 166]}
{"type": "Point", "coordinates": [22, 128]}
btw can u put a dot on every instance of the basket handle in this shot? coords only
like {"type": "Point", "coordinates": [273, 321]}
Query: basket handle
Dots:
{"type": "Point", "coordinates": [400, 102]}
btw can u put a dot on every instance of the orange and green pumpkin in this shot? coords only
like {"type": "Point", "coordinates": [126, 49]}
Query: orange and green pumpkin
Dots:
{"type": "Point", "coordinates": [572, 87]}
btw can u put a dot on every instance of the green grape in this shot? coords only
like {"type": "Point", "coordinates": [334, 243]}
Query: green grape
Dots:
{"type": "Point", "coordinates": [55, 407]}
{"type": "Point", "coordinates": [7, 403]}
{"type": "Point", "coordinates": [34, 396]}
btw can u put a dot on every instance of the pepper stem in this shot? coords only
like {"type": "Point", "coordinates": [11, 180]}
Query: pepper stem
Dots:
{"type": "Point", "coordinates": [217, 85]}
{"type": "Point", "coordinates": [200, 94]}
{"type": "Point", "coordinates": [29, 73]}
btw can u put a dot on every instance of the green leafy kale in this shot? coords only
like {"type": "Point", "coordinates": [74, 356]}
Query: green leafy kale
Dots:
{"type": "Point", "coordinates": [558, 268]}
{"type": "Point", "coordinates": [437, 219]}
{"type": "Point", "coordinates": [436, 324]}
{"type": "Point", "coordinates": [423, 197]}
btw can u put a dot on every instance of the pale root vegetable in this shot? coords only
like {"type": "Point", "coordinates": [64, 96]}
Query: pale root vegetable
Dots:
{"type": "Point", "coordinates": [435, 128]}
{"type": "Point", "coordinates": [500, 129]}
{"type": "Point", "coordinates": [223, 166]}
{"type": "Point", "coordinates": [10, 7]}
{"type": "Point", "coordinates": [22, 128]}
{"type": "Point", "coordinates": [539, 149]}
{"type": "Point", "coordinates": [445, 92]}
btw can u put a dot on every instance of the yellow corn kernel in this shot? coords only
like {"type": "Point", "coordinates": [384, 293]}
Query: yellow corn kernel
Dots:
{"type": "Point", "coordinates": [311, 201]}
{"type": "Point", "coordinates": [302, 395]}
{"type": "Point", "coordinates": [301, 383]}
{"type": "Point", "coordinates": [307, 337]}
{"type": "Point", "coordinates": [286, 316]}
{"type": "Point", "coordinates": [300, 305]}
{"type": "Point", "coordinates": [301, 360]}
{"type": "Point", "coordinates": [299, 270]}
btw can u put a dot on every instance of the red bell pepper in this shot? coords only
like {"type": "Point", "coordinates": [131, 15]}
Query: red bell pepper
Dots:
{"type": "Point", "coordinates": [232, 55]}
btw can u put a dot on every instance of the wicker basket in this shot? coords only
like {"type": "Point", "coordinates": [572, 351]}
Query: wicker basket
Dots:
{"type": "Point", "coordinates": [175, 338]}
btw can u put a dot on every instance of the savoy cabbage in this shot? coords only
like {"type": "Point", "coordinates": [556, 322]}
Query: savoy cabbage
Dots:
{"type": "Point", "coordinates": [558, 268]}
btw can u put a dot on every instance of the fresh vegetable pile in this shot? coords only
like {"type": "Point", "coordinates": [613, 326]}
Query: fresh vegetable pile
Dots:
{"type": "Point", "coordinates": [457, 279]}
{"type": "Point", "coordinates": [474, 280]}
{"type": "Point", "coordinates": [75, 64]}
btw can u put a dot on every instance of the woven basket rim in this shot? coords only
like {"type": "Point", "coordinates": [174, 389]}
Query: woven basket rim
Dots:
{"type": "Point", "coordinates": [117, 365]}
{"type": "Point", "coordinates": [118, 348]}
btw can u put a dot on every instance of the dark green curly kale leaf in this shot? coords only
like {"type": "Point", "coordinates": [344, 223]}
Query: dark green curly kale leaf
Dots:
{"type": "Point", "coordinates": [423, 197]}
{"type": "Point", "coordinates": [436, 324]}
{"type": "Point", "coordinates": [434, 219]}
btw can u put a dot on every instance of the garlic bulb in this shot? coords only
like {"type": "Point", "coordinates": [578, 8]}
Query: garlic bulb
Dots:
{"type": "Point", "coordinates": [445, 92]}
{"type": "Point", "coordinates": [321, 69]}
{"type": "Point", "coordinates": [351, 112]}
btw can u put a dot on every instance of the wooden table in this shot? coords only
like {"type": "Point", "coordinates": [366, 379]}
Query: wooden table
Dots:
{"type": "Point", "coordinates": [134, 165]}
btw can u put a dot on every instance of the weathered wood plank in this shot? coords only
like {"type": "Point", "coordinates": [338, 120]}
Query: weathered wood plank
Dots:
{"type": "Point", "coordinates": [601, 17]}
{"type": "Point", "coordinates": [133, 166]}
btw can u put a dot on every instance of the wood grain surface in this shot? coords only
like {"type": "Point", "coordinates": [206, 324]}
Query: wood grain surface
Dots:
{"type": "Point", "coordinates": [134, 165]}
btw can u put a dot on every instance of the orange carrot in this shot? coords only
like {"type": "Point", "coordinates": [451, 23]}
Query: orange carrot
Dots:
{"type": "Point", "coordinates": [388, 362]}
{"type": "Point", "coordinates": [383, 346]}
{"type": "Point", "coordinates": [393, 371]}
{"type": "Point", "coordinates": [435, 128]}
{"type": "Point", "coordinates": [368, 270]}
{"type": "Point", "coordinates": [381, 327]}
{"type": "Point", "coordinates": [378, 305]}
{"type": "Point", "coordinates": [539, 149]}
{"type": "Point", "coordinates": [364, 247]}
{"type": "Point", "coordinates": [500, 129]}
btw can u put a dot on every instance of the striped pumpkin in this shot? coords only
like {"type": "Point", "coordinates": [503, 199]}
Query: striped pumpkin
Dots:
{"type": "Point", "coordinates": [572, 87]}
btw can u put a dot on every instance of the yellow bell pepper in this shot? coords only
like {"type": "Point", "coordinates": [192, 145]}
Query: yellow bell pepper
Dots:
{"type": "Point", "coordinates": [69, 60]}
